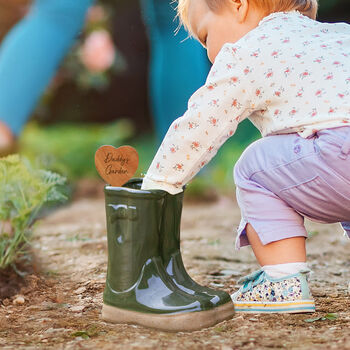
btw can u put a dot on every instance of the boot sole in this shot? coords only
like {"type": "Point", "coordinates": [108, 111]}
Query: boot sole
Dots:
{"type": "Point", "coordinates": [185, 322]}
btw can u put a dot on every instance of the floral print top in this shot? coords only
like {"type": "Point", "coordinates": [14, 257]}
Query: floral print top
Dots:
{"type": "Point", "coordinates": [290, 74]}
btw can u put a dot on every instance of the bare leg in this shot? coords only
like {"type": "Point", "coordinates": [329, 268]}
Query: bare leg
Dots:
{"type": "Point", "coordinates": [288, 250]}
{"type": "Point", "coordinates": [6, 137]}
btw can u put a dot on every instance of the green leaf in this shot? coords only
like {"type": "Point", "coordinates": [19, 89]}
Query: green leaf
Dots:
{"type": "Point", "coordinates": [82, 334]}
{"type": "Point", "coordinates": [329, 317]}
{"type": "Point", "coordinates": [309, 320]}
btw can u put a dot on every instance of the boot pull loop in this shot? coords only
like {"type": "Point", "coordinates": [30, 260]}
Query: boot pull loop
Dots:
{"type": "Point", "coordinates": [123, 211]}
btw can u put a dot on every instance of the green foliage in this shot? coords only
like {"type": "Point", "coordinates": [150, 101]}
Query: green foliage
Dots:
{"type": "Point", "coordinates": [327, 5]}
{"type": "Point", "coordinates": [70, 148]}
{"type": "Point", "coordinates": [327, 317]}
{"type": "Point", "coordinates": [23, 192]}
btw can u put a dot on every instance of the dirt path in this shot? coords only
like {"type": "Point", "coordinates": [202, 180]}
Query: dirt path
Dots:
{"type": "Point", "coordinates": [61, 307]}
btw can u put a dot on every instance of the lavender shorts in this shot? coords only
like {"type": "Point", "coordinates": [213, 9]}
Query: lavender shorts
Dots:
{"type": "Point", "coordinates": [283, 178]}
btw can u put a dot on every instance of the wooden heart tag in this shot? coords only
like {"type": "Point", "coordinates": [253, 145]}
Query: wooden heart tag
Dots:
{"type": "Point", "coordinates": [116, 165]}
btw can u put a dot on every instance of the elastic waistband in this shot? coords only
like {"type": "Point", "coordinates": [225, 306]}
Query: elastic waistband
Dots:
{"type": "Point", "coordinates": [345, 149]}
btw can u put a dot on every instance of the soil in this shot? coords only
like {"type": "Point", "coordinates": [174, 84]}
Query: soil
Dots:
{"type": "Point", "coordinates": [59, 307]}
{"type": "Point", "coordinates": [10, 282]}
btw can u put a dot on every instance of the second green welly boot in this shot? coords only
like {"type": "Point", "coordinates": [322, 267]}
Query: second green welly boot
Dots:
{"type": "Point", "coordinates": [138, 290]}
{"type": "Point", "coordinates": [172, 259]}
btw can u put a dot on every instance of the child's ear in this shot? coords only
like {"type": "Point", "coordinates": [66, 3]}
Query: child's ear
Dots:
{"type": "Point", "coordinates": [240, 8]}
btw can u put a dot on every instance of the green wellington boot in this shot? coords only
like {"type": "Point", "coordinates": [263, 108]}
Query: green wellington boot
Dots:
{"type": "Point", "coordinates": [173, 263]}
{"type": "Point", "coordinates": [172, 259]}
{"type": "Point", "coordinates": [138, 289]}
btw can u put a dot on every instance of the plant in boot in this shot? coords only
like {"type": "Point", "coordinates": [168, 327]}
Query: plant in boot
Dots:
{"type": "Point", "coordinates": [138, 289]}
{"type": "Point", "coordinates": [172, 259]}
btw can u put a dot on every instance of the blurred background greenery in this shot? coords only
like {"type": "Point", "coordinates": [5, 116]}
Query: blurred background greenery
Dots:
{"type": "Point", "coordinates": [85, 108]}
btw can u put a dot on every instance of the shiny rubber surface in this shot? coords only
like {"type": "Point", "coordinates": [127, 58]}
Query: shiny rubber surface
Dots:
{"type": "Point", "coordinates": [153, 293]}
{"type": "Point", "coordinates": [170, 250]}
{"type": "Point", "coordinates": [136, 277]}
{"type": "Point", "coordinates": [177, 272]}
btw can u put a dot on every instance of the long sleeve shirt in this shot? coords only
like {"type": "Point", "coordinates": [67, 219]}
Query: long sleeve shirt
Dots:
{"type": "Point", "coordinates": [290, 74]}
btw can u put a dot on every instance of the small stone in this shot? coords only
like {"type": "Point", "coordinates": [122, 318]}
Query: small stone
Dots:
{"type": "Point", "coordinates": [55, 330]}
{"type": "Point", "coordinates": [78, 308]}
{"type": "Point", "coordinates": [19, 300]}
{"type": "Point", "coordinates": [319, 293]}
{"type": "Point", "coordinates": [217, 285]}
{"type": "Point", "coordinates": [6, 302]}
{"type": "Point", "coordinates": [349, 288]}
{"type": "Point", "coordinates": [80, 290]}
{"type": "Point", "coordinates": [231, 273]}
{"type": "Point", "coordinates": [60, 297]}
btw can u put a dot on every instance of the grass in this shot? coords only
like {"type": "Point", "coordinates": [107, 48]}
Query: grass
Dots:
{"type": "Point", "coordinates": [69, 148]}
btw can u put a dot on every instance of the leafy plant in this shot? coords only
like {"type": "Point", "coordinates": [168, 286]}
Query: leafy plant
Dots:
{"type": "Point", "coordinates": [23, 192]}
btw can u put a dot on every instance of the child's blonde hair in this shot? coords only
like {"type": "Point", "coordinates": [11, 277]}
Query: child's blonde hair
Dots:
{"type": "Point", "coordinates": [306, 7]}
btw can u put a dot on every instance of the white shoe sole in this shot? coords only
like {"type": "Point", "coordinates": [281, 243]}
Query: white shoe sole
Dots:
{"type": "Point", "coordinates": [301, 306]}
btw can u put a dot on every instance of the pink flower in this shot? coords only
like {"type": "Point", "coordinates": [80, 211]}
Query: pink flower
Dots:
{"type": "Point", "coordinates": [234, 80]}
{"type": "Point", "coordinates": [213, 121]}
{"type": "Point", "coordinates": [236, 104]}
{"type": "Point", "coordinates": [313, 113]}
{"type": "Point", "coordinates": [98, 51]}
{"type": "Point", "coordinates": [178, 167]}
{"type": "Point", "coordinates": [195, 145]}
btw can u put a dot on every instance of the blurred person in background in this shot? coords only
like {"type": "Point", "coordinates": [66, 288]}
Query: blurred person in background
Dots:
{"type": "Point", "coordinates": [32, 51]}
{"type": "Point", "coordinates": [178, 64]}
{"type": "Point", "coordinates": [29, 57]}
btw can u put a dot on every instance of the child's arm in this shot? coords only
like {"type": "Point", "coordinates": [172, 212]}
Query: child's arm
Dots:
{"type": "Point", "coordinates": [213, 114]}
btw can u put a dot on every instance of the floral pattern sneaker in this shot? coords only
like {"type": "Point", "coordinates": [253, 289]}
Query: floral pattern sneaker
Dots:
{"type": "Point", "coordinates": [261, 293]}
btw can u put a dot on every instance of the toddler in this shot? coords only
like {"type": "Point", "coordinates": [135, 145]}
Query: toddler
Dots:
{"type": "Point", "coordinates": [289, 74]}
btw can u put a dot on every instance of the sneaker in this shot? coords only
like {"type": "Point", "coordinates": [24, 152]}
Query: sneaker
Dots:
{"type": "Point", "coordinates": [261, 293]}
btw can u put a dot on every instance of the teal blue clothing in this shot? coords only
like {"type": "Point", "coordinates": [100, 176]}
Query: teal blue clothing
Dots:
{"type": "Point", "coordinates": [31, 53]}
{"type": "Point", "coordinates": [178, 67]}
{"type": "Point", "coordinates": [34, 48]}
